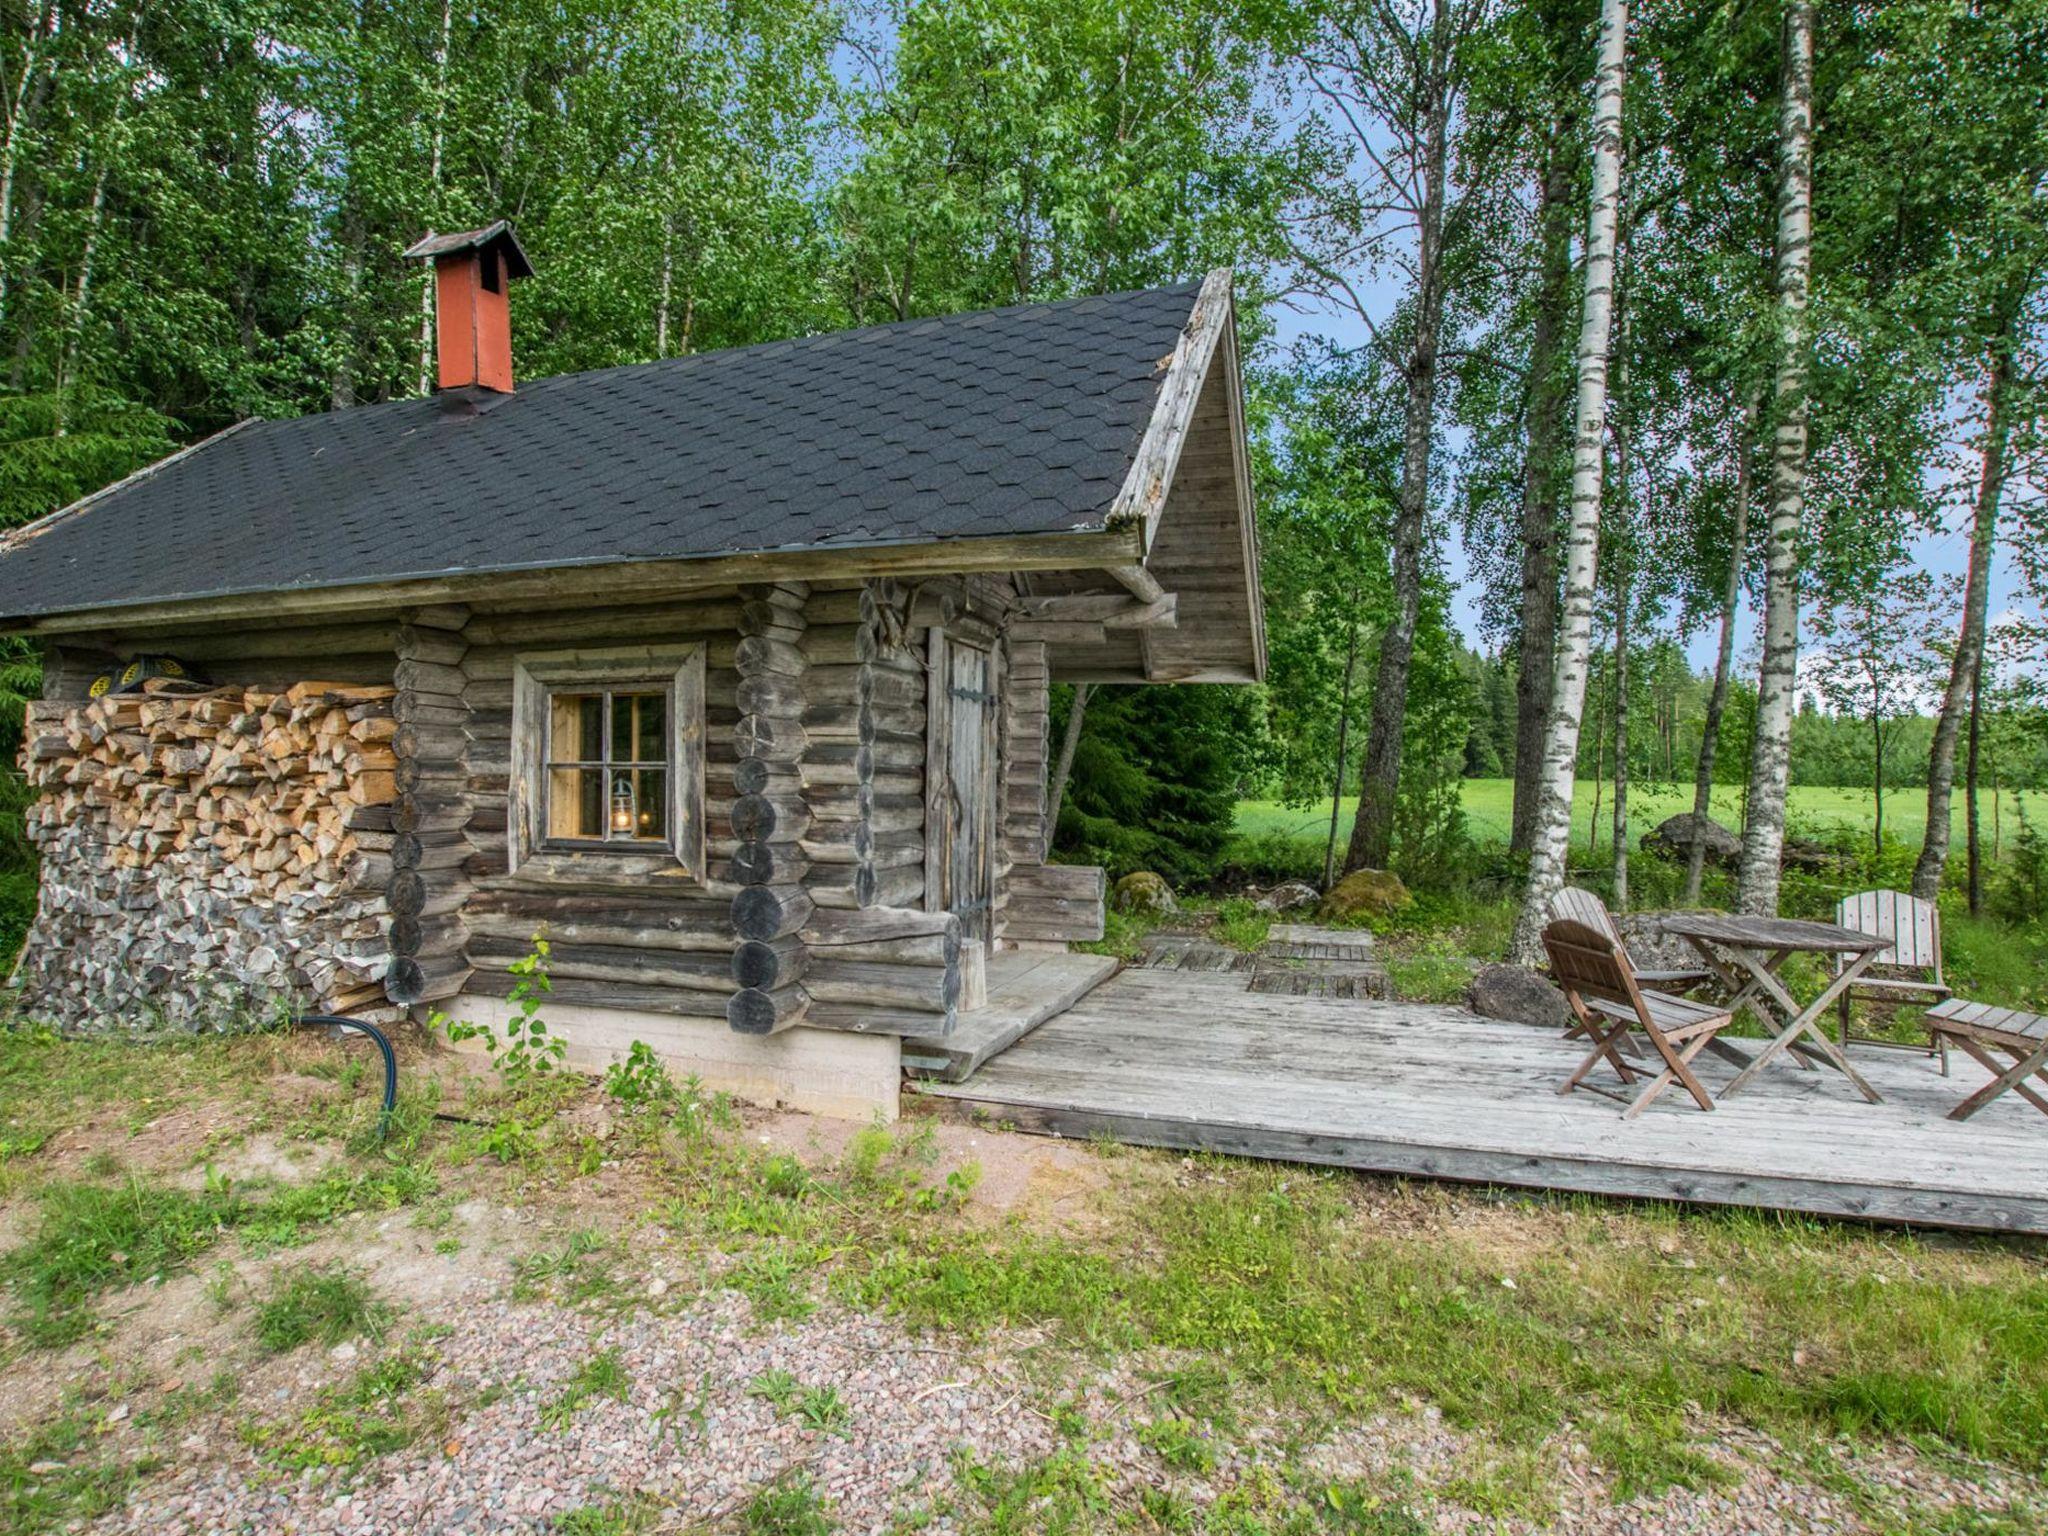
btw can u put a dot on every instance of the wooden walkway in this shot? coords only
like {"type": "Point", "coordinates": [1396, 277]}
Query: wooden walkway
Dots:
{"type": "Point", "coordinates": [1196, 1061]}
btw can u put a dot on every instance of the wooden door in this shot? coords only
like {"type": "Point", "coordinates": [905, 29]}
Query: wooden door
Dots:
{"type": "Point", "coordinates": [960, 854]}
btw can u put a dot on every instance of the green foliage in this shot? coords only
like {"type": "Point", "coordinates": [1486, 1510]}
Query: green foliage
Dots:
{"type": "Point", "coordinates": [2020, 892]}
{"type": "Point", "coordinates": [615, 1517]}
{"type": "Point", "coordinates": [1157, 776]}
{"type": "Point", "coordinates": [381, 1410]}
{"type": "Point", "coordinates": [527, 1049]}
{"type": "Point", "coordinates": [603, 1375]}
{"type": "Point", "coordinates": [789, 1506]}
{"type": "Point", "coordinates": [91, 1237]}
{"type": "Point", "coordinates": [816, 1408]}
{"type": "Point", "coordinates": [578, 1271]}
{"type": "Point", "coordinates": [328, 1305]}
{"type": "Point", "coordinates": [640, 1081]}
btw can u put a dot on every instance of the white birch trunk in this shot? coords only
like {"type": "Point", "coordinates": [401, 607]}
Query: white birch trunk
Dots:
{"type": "Point", "coordinates": [1941, 770]}
{"type": "Point", "coordinates": [1763, 840]}
{"type": "Point", "coordinates": [17, 125]}
{"type": "Point", "coordinates": [1550, 846]}
{"type": "Point", "coordinates": [428, 287]}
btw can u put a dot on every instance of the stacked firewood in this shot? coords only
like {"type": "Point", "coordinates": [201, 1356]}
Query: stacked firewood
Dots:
{"type": "Point", "coordinates": [208, 853]}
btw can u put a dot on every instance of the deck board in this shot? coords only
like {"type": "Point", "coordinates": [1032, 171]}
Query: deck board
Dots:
{"type": "Point", "coordinates": [1025, 988]}
{"type": "Point", "coordinates": [1194, 1061]}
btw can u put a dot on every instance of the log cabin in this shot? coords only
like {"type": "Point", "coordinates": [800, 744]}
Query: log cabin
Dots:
{"type": "Point", "coordinates": [727, 673]}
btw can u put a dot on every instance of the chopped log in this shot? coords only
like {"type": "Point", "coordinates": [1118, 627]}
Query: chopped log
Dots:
{"type": "Point", "coordinates": [754, 1011]}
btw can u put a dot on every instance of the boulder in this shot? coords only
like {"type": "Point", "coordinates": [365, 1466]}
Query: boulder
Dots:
{"type": "Point", "coordinates": [1364, 893]}
{"type": "Point", "coordinates": [1143, 892]}
{"type": "Point", "coordinates": [1288, 896]}
{"type": "Point", "coordinates": [1674, 837]}
{"type": "Point", "coordinates": [1651, 947]}
{"type": "Point", "coordinates": [1519, 996]}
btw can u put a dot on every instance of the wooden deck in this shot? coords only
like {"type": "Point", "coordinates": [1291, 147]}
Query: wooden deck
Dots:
{"type": "Point", "coordinates": [1196, 1061]}
{"type": "Point", "coordinates": [1024, 990]}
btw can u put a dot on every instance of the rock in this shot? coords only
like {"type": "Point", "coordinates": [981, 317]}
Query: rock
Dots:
{"type": "Point", "coordinates": [1365, 893]}
{"type": "Point", "coordinates": [1651, 948]}
{"type": "Point", "coordinates": [1674, 837]}
{"type": "Point", "coordinates": [1289, 895]}
{"type": "Point", "coordinates": [1804, 853]}
{"type": "Point", "coordinates": [1519, 996]}
{"type": "Point", "coordinates": [1143, 892]}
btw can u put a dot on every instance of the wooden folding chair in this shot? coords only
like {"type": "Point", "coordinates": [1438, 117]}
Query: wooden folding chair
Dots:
{"type": "Point", "coordinates": [1598, 982]}
{"type": "Point", "coordinates": [1575, 904]}
{"type": "Point", "coordinates": [1978, 1029]}
{"type": "Point", "coordinates": [1909, 971]}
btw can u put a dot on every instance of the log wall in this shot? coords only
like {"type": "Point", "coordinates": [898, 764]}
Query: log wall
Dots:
{"type": "Point", "coordinates": [809, 907]}
{"type": "Point", "coordinates": [660, 944]}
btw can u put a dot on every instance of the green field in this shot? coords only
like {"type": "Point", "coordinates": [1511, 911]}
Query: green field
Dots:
{"type": "Point", "coordinates": [1814, 811]}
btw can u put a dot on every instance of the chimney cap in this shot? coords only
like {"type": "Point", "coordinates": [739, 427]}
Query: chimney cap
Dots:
{"type": "Point", "coordinates": [498, 234]}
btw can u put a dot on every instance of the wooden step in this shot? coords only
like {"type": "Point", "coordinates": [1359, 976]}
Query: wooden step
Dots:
{"type": "Point", "coordinates": [1024, 990]}
{"type": "Point", "coordinates": [1306, 941]}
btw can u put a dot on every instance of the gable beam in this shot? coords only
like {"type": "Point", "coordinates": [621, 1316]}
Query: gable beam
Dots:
{"type": "Point", "coordinates": [1143, 495]}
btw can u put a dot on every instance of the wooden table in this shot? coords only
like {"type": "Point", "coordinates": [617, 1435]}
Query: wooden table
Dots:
{"type": "Point", "coordinates": [1746, 953]}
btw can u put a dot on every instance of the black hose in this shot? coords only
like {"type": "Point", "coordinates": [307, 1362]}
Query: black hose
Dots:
{"type": "Point", "coordinates": [339, 1021]}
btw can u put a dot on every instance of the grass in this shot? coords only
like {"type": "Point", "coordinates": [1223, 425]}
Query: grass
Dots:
{"type": "Point", "coordinates": [789, 1506]}
{"type": "Point", "coordinates": [603, 1375]}
{"type": "Point", "coordinates": [1325, 1296]}
{"type": "Point", "coordinates": [816, 1408]}
{"type": "Point", "coordinates": [614, 1517]}
{"type": "Point", "coordinates": [328, 1305]}
{"type": "Point", "coordinates": [1489, 805]}
{"type": "Point", "coordinates": [380, 1410]}
{"type": "Point", "coordinates": [93, 1237]}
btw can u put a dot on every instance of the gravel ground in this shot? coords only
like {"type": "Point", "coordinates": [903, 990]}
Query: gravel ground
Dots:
{"type": "Point", "coordinates": [695, 1437]}
{"type": "Point", "coordinates": [690, 1432]}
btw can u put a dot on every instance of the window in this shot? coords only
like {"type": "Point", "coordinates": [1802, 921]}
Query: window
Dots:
{"type": "Point", "coordinates": [608, 767]}
{"type": "Point", "coordinates": [607, 757]}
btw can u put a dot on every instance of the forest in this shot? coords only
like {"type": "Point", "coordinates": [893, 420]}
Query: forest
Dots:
{"type": "Point", "coordinates": [1657, 332]}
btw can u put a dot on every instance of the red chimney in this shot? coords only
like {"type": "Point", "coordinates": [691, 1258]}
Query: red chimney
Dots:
{"type": "Point", "coordinates": [473, 328]}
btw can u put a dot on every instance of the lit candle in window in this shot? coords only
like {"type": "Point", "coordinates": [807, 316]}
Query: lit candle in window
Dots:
{"type": "Point", "coordinates": [622, 803]}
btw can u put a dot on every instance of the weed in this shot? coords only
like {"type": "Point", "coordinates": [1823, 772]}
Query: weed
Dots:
{"type": "Point", "coordinates": [578, 1271]}
{"type": "Point", "coordinates": [614, 1517]}
{"type": "Point", "coordinates": [602, 1375]}
{"type": "Point", "coordinates": [284, 1220]}
{"type": "Point", "coordinates": [1241, 924]}
{"type": "Point", "coordinates": [324, 1306]}
{"type": "Point", "coordinates": [379, 1411]}
{"type": "Point", "coordinates": [772, 1280]}
{"type": "Point", "coordinates": [527, 1049]}
{"type": "Point", "coordinates": [49, 1477]}
{"type": "Point", "coordinates": [789, 1506]}
{"type": "Point", "coordinates": [1181, 1445]}
{"type": "Point", "coordinates": [640, 1081]}
{"type": "Point", "coordinates": [818, 1408]}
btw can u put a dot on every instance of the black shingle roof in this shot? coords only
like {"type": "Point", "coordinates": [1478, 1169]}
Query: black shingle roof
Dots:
{"type": "Point", "coordinates": [1009, 421]}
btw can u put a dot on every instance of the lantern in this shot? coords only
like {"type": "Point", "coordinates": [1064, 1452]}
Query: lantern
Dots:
{"type": "Point", "coordinates": [622, 804]}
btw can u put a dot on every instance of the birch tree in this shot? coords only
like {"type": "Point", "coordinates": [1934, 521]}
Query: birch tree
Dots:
{"type": "Point", "coordinates": [1550, 844]}
{"type": "Point", "coordinates": [1724, 653]}
{"type": "Point", "coordinates": [2002, 264]}
{"type": "Point", "coordinates": [1763, 837]}
{"type": "Point", "coordinates": [1390, 76]}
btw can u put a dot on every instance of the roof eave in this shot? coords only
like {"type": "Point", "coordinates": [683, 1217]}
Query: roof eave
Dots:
{"type": "Point", "coordinates": [614, 580]}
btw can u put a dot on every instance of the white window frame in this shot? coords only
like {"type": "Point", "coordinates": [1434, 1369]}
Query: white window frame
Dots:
{"type": "Point", "coordinates": [677, 672]}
